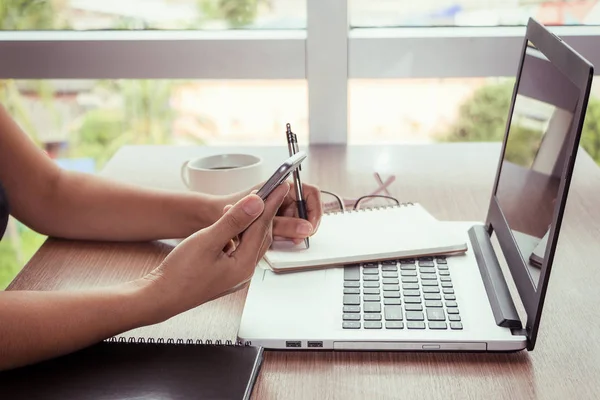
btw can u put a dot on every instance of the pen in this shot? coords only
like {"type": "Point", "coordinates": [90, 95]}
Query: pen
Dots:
{"type": "Point", "coordinates": [292, 142]}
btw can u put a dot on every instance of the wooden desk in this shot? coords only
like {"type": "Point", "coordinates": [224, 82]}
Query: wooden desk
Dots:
{"type": "Point", "coordinates": [453, 181]}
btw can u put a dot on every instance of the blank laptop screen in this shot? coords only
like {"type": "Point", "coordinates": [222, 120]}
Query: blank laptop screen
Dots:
{"type": "Point", "coordinates": [535, 155]}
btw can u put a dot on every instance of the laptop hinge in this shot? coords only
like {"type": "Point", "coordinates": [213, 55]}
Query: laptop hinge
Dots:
{"type": "Point", "coordinates": [503, 307]}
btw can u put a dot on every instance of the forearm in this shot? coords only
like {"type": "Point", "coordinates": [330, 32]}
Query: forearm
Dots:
{"type": "Point", "coordinates": [35, 326]}
{"type": "Point", "coordinates": [93, 208]}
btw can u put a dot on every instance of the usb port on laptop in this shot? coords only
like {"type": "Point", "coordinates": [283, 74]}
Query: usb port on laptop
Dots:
{"type": "Point", "coordinates": [315, 344]}
{"type": "Point", "coordinates": [292, 344]}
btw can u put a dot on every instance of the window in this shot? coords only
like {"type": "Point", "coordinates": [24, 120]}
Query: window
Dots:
{"type": "Point", "coordinates": [152, 14]}
{"type": "Point", "coordinates": [90, 120]}
{"type": "Point", "coordinates": [392, 13]}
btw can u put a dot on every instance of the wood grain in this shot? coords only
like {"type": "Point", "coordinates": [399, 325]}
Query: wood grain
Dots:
{"type": "Point", "coordinates": [452, 181]}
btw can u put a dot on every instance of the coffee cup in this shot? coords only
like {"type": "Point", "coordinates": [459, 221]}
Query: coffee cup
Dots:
{"type": "Point", "coordinates": [222, 174]}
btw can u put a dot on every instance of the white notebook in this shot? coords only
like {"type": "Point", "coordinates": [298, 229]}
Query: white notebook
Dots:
{"type": "Point", "coordinates": [407, 230]}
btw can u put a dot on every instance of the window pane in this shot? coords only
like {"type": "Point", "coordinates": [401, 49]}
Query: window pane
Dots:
{"type": "Point", "coordinates": [438, 110]}
{"type": "Point", "coordinates": [83, 123]}
{"type": "Point", "coordinates": [393, 13]}
{"type": "Point", "coordinates": [152, 14]}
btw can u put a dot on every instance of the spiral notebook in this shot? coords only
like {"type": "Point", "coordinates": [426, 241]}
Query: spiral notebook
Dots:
{"type": "Point", "coordinates": [140, 369]}
{"type": "Point", "coordinates": [372, 234]}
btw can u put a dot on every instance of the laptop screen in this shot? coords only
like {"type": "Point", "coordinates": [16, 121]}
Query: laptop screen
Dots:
{"type": "Point", "coordinates": [535, 155]}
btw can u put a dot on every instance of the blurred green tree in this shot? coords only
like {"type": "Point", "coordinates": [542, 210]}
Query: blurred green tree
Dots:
{"type": "Point", "coordinates": [237, 13]}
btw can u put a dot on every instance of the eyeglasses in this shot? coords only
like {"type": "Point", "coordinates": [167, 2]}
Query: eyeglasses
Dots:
{"type": "Point", "coordinates": [381, 195]}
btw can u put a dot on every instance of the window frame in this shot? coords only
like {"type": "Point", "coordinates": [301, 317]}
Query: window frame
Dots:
{"type": "Point", "coordinates": [327, 54]}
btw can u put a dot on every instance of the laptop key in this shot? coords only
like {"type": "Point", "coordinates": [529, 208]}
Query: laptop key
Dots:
{"type": "Point", "coordinates": [427, 270]}
{"type": "Point", "coordinates": [446, 284]}
{"type": "Point", "coordinates": [371, 265]}
{"type": "Point", "coordinates": [394, 288]}
{"type": "Point", "coordinates": [389, 268]}
{"type": "Point", "coordinates": [452, 317]}
{"type": "Point", "coordinates": [350, 325]}
{"type": "Point", "coordinates": [372, 317]}
{"type": "Point", "coordinates": [456, 325]}
{"type": "Point", "coordinates": [393, 313]}
{"type": "Point", "coordinates": [389, 262]}
{"type": "Point", "coordinates": [392, 302]}
{"type": "Point", "coordinates": [428, 277]}
{"type": "Point", "coordinates": [413, 307]}
{"type": "Point", "coordinates": [390, 281]}
{"type": "Point", "coordinates": [351, 284]}
{"type": "Point", "coordinates": [441, 260]}
{"type": "Point", "coordinates": [442, 267]}
{"type": "Point", "coordinates": [453, 311]}
{"type": "Point", "coordinates": [448, 291]}
{"type": "Point", "coordinates": [409, 286]}
{"type": "Point", "coordinates": [370, 284]}
{"type": "Point", "coordinates": [394, 325]}
{"type": "Point", "coordinates": [351, 309]}
{"type": "Point", "coordinates": [370, 278]}
{"type": "Point", "coordinates": [432, 296]}
{"type": "Point", "coordinates": [371, 291]}
{"type": "Point", "coordinates": [351, 291]}
{"type": "Point", "coordinates": [407, 261]}
{"type": "Point", "coordinates": [433, 303]}
{"type": "Point", "coordinates": [409, 279]}
{"type": "Point", "coordinates": [431, 289]}
{"type": "Point", "coordinates": [436, 314]}
{"type": "Point", "coordinates": [391, 295]}
{"type": "Point", "coordinates": [408, 267]}
{"type": "Point", "coordinates": [451, 304]}
{"type": "Point", "coordinates": [370, 271]}
{"type": "Point", "coordinates": [411, 293]}
{"type": "Point", "coordinates": [372, 325]}
{"type": "Point", "coordinates": [412, 300]}
{"type": "Point", "coordinates": [371, 297]}
{"type": "Point", "coordinates": [437, 325]}
{"type": "Point", "coordinates": [415, 316]}
{"type": "Point", "coordinates": [444, 273]}
{"type": "Point", "coordinates": [445, 279]}
{"type": "Point", "coordinates": [372, 307]}
{"type": "Point", "coordinates": [389, 274]}
{"type": "Point", "coordinates": [351, 317]}
{"type": "Point", "coordinates": [449, 297]}
{"type": "Point", "coordinates": [429, 283]}
{"type": "Point", "coordinates": [408, 273]}
{"type": "Point", "coordinates": [351, 300]}
{"type": "Point", "coordinates": [428, 263]}
{"type": "Point", "coordinates": [415, 325]}
{"type": "Point", "coordinates": [352, 273]}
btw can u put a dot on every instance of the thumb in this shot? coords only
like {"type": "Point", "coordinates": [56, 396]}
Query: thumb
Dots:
{"type": "Point", "coordinates": [236, 219]}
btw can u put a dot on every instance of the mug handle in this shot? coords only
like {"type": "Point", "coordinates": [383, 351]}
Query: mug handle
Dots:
{"type": "Point", "coordinates": [184, 175]}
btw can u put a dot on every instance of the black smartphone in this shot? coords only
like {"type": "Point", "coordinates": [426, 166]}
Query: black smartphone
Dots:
{"type": "Point", "coordinates": [281, 174]}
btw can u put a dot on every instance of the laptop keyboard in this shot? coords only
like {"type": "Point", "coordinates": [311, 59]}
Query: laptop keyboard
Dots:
{"type": "Point", "coordinates": [399, 294]}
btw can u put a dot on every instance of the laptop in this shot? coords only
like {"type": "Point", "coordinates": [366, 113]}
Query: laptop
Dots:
{"type": "Point", "coordinates": [461, 302]}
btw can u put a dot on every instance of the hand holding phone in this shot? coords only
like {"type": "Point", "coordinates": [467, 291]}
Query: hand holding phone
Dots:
{"type": "Point", "coordinates": [281, 174]}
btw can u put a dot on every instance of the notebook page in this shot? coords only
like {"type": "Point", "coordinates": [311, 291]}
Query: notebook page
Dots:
{"type": "Point", "coordinates": [366, 234]}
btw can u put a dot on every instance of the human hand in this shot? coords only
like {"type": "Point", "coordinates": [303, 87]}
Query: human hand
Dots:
{"type": "Point", "coordinates": [204, 266]}
{"type": "Point", "coordinates": [287, 224]}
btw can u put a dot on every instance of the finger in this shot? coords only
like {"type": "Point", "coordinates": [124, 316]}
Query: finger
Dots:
{"type": "Point", "coordinates": [236, 220]}
{"type": "Point", "coordinates": [267, 241]}
{"type": "Point", "coordinates": [292, 227]}
{"type": "Point", "coordinates": [252, 239]}
{"type": "Point", "coordinates": [314, 206]}
{"type": "Point", "coordinates": [226, 208]}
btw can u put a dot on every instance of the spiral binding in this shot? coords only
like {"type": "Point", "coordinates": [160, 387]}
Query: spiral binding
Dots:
{"type": "Point", "coordinates": [207, 342]}
{"type": "Point", "coordinates": [367, 209]}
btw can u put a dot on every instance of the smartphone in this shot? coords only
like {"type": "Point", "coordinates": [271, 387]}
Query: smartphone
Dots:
{"type": "Point", "coordinates": [281, 174]}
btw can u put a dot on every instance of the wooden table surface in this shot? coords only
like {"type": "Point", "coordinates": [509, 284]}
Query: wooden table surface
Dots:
{"type": "Point", "coordinates": [452, 181]}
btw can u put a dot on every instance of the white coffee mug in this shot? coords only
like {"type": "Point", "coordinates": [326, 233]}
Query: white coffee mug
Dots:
{"type": "Point", "coordinates": [222, 174]}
